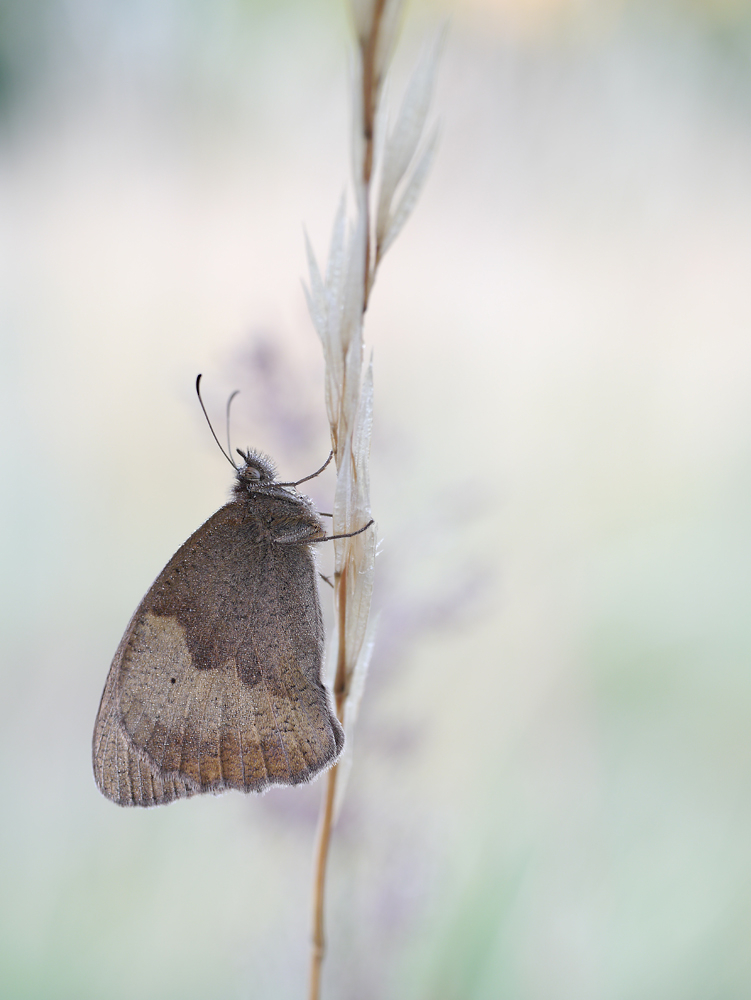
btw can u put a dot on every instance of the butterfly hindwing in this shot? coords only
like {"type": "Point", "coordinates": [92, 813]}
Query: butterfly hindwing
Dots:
{"type": "Point", "coordinates": [216, 683]}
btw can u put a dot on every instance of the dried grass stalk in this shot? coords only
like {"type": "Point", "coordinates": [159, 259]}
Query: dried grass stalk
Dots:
{"type": "Point", "coordinates": [337, 304]}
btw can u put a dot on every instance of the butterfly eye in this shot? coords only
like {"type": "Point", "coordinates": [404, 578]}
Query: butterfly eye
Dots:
{"type": "Point", "coordinates": [251, 473]}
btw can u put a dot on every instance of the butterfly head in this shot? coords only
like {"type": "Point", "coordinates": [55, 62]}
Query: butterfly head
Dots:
{"type": "Point", "coordinates": [258, 470]}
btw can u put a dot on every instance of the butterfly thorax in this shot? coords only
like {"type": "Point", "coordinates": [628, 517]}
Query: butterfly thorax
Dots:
{"type": "Point", "coordinates": [272, 518]}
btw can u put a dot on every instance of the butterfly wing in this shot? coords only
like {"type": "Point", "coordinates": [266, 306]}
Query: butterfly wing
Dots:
{"type": "Point", "coordinates": [216, 683]}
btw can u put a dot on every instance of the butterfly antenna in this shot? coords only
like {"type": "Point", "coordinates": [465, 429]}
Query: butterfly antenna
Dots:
{"type": "Point", "coordinates": [229, 404]}
{"type": "Point", "coordinates": [198, 393]}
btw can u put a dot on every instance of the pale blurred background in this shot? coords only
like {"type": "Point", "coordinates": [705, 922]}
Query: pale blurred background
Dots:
{"type": "Point", "coordinates": [550, 797]}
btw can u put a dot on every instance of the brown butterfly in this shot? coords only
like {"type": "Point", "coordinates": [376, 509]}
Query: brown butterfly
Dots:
{"type": "Point", "coordinates": [216, 683]}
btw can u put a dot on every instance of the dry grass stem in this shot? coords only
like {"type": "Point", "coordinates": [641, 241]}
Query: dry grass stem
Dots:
{"type": "Point", "coordinates": [337, 303]}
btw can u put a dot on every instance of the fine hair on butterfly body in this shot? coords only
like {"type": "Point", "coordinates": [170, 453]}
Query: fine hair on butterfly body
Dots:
{"type": "Point", "coordinates": [216, 683]}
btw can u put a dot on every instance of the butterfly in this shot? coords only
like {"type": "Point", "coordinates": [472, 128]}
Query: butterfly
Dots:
{"type": "Point", "coordinates": [216, 683]}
